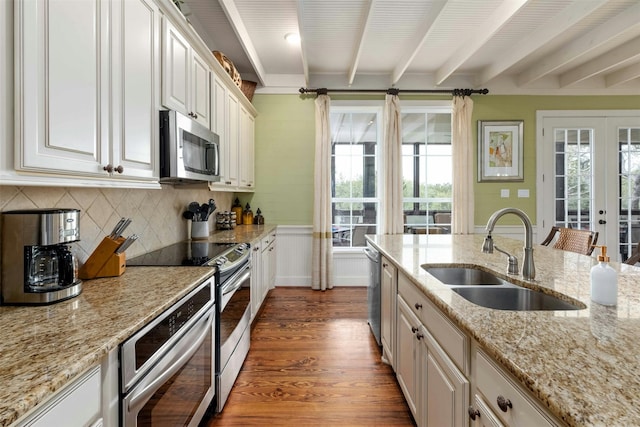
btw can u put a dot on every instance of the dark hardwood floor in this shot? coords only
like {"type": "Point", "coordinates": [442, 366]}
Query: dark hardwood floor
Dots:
{"type": "Point", "coordinates": [314, 362]}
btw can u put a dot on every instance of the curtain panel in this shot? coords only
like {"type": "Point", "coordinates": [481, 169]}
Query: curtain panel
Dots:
{"type": "Point", "coordinates": [393, 222]}
{"type": "Point", "coordinates": [462, 149]}
{"type": "Point", "coordinates": [322, 250]}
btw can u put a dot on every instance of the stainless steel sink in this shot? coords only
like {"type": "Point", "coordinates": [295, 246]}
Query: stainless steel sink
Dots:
{"type": "Point", "coordinates": [485, 289]}
{"type": "Point", "coordinates": [463, 276]}
{"type": "Point", "coordinates": [513, 297]}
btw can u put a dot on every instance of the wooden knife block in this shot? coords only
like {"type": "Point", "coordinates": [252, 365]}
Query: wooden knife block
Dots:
{"type": "Point", "coordinates": [104, 262]}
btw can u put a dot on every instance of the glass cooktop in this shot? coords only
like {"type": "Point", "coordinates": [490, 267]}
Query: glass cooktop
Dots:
{"type": "Point", "coordinates": [182, 253]}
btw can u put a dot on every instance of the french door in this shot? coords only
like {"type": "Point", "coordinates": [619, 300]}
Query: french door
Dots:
{"type": "Point", "coordinates": [589, 175]}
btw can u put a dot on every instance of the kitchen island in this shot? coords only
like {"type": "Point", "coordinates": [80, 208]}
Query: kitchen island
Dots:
{"type": "Point", "coordinates": [583, 366]}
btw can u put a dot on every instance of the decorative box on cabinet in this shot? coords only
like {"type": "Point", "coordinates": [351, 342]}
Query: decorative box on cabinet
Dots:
{"type": "Point", "coordinates": [79, 130]}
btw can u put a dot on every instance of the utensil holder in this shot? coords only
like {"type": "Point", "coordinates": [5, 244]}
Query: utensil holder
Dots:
{"type": "Point", "coordinates": [104, 262]}
{"type": "Point", "coordinates": [199, 230]}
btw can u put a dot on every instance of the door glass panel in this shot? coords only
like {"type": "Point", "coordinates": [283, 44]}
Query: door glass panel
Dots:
{"type": "Point", "coordinates": [573, 181]}
{"type": "Point", "coordinates": [629, 190]}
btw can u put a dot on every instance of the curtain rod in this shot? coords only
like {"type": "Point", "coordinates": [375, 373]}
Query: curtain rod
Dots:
{"type": "Point", "coordinates": [394, 91]}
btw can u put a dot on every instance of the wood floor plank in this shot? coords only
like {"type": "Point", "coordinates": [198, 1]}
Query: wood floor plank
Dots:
{"type": "Point", "coordinates": [314, 362]}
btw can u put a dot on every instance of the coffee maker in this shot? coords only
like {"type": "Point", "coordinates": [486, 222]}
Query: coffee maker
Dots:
{"type": "Point", "coordinates": [37, 264]}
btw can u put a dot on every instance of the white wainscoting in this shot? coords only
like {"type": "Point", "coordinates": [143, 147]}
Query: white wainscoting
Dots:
{"type": "Point", "coordinates": [349, 266]}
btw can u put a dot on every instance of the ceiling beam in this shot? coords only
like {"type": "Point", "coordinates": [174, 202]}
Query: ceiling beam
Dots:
{"type": "Point", "coordinates": [363, 33]}
{"type": "Point", "coordinates": [237, 24]}
{"type": "Point", "coordinates": [303, 50]}
{"type": "Point", "coordinates": [479, 38]}
{"type": "Point", "coordinates": [626, 53]}
{"type": "Point", "coordinates": [421, 36]}
{"type": "Point", "coordinates": [622, 76]}
{"type": "Point", "coordinates": [625, 22]}
{"type": "Point", "coordinates": [545, 33]}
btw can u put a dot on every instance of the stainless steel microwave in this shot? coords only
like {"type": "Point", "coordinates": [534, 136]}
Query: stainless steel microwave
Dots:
{"type": "Point", "coordinates": [188, 151]}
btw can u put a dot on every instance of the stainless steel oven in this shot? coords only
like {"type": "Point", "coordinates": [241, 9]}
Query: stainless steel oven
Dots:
{"type": "Point", "coordinates": [166, 367]}
{"type": "Point", "coordinates": [233, 301]}
{"type": "Point", "coordinates": [233, 331]}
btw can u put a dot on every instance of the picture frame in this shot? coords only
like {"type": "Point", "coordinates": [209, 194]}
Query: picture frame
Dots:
{"type": "Point", "coordinates": [500, 150]}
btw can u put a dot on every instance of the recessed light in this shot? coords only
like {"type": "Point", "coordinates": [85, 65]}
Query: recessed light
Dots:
{"type": "Point", "coordinates": [292, 38]}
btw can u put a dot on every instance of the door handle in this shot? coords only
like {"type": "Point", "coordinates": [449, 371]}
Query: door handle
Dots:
{"type": "Point", "coordinates": [602, 221]}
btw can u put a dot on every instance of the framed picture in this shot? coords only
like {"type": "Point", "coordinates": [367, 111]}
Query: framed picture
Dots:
{"type": "Point", "coordinates": [500, 150]}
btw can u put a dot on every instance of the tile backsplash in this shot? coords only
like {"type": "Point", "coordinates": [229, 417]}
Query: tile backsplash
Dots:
{"type": "Point", "coordinates": [156, 214]}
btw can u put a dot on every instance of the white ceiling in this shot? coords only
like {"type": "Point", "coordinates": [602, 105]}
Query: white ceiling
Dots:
{"type": "Point", "coordinates": [507, 46]}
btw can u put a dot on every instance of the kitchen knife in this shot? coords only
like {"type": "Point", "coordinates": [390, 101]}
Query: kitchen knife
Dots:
{"type": "Point", "coordinates": [128, 242]}
{"type": "Point", "coordinates": [123, 226]}
{"type": "Point", "coordinates": [113, 234]}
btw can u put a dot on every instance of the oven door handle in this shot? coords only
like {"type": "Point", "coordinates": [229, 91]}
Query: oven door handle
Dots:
{"type": "Point", "coordinates": [237, 283]}
{"type": "Point", "coordinates": [182, 354]}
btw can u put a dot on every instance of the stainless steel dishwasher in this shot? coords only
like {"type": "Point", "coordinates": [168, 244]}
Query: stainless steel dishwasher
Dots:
{"type": "Point", "coordinates": [373, 291]}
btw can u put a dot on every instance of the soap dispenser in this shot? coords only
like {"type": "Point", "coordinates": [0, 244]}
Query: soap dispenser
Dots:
{"type": "Point", "coordinates": [604, 280]}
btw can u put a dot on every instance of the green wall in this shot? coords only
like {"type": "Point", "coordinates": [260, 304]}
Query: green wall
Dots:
{"type": "Point", "coordinates": [285, 133]}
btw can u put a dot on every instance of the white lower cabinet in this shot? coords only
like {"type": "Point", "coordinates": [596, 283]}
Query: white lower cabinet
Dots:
{"type": "Point", "coordinates": [481, 415]}
{"type": "Point", "coordinates": [263, 261]}
{"type": "Point", "coordinates": [506, 400]}
{"type": "Point", "coordinates": [439, 370]}
{"type": "Point", "coordinates": [388, 312]}
{"type": "Point", "coordinates": [78, 404]}
{"type": "Point", "coordinates": [436, 390]}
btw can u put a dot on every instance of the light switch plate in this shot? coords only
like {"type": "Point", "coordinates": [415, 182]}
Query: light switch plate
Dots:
{"type": "Point", "coordinates": [504, 193]}
{"type": "Point", "coordinates": [524, 193]}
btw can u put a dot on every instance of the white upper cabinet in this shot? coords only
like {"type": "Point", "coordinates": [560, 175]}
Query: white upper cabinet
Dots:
{"type": "Point", "coordinates": [78, 65]}
{"type": "Point", "coordinates": [185, 85]}
{"type": "Point", "coordinates": [247, 150]}
{"type": "Point", "coordinates": [136, 56]}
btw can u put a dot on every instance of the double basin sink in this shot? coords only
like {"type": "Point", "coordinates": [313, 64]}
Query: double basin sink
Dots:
{"type": "Point", "coordinates": [485, 289]}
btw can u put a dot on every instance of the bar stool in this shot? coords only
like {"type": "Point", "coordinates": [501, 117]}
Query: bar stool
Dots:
{"type": "Point", "coordinates": [572, 239]}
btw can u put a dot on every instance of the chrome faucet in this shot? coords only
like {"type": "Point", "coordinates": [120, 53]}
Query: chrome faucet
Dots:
{"type": "Point", "coordinates": [528, 267]}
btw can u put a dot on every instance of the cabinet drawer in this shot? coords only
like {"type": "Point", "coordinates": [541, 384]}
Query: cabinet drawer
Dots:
{"type": "Point", "coordinates": [494, 385]}
{"type": "Point", "coordinates": [452, 340]}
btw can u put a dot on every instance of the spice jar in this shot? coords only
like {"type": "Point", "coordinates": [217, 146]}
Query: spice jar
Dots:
{"type": "Point", "coordinates": [258, 219]}
{"type": "Point", "coordinates": [247, 215]}
{"type": "Point", "coordinates": [237, 209]}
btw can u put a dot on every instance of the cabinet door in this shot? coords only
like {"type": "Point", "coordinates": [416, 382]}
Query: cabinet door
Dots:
{"type": "Point", "coordinates": [445, 399]}
{"type": "Point", "coordinates": [246, 165]}
{"type": "Point", "coordinates": [273, 263]}
{"type": "Point", "coordinates": [233, 139]}
{"type": "Point", "coordinates": [200, 90]}
{"type": "Point", "coordinates": [136, 76]}
{"type": "Point", "coordinates": [175, 69]}
{"type": "Point", "coordinates": [256, 279]}
{"type": "Point", "coordinates": [59, 122]}
{"type": "Point", "coordinates": [388, 297]}
{"type": "Point", "coordinates": [407, 356]}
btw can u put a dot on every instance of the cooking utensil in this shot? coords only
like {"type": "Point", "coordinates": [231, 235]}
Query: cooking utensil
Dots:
{"type": "Point", "coordinates": [128, 242]}
{"type": "Point", "coordinates": [204, 212]}
{"type": "Point", "coordinates": [187, 215]}
{"type": "Point", "coordinates": [212, 207]}
{"type": "Point", "coordinates": [194, 207]}
{"type": "Point", "coordinates": [113, 234]}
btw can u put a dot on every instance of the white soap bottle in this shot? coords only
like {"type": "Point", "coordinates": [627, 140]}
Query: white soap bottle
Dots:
{"type": "Point", "coordinates": [604, 280]}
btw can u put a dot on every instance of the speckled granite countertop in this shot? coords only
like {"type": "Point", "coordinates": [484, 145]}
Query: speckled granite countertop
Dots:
{"type": "Point", "coordinates": [241, 234]}
{"type": "Point", "coordinates": [583, 365]}
{"type": "Point", "coordinates": [43, 347]}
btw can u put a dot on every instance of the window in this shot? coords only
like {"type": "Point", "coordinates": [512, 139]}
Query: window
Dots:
{"type": "Point", "coordinates": [355, 139]}
{"type": "Point", "coordinates": [427, 170]}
